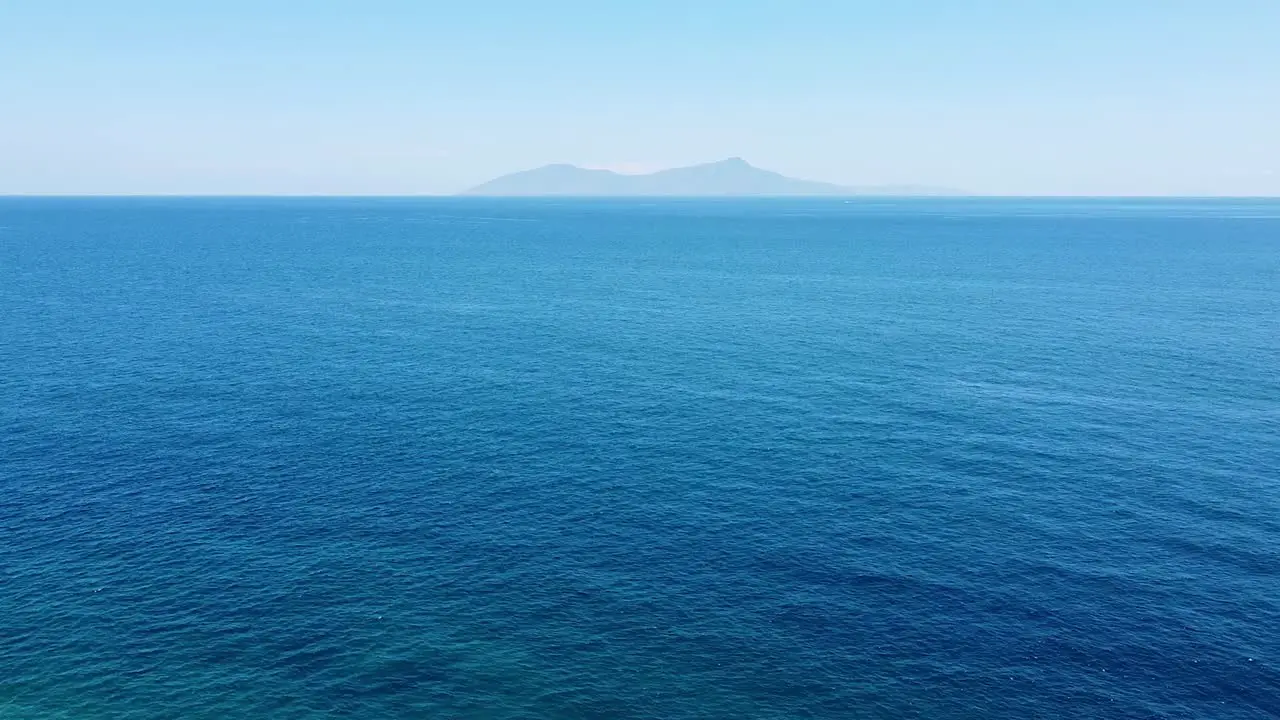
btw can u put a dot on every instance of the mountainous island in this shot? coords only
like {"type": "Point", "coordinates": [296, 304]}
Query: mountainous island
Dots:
{"type": "Point", "coordinates": [727, 178]}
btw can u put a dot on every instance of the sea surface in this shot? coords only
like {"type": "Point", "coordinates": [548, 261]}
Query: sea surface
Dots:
{"type": "Point", "coordinates": [772, 459]}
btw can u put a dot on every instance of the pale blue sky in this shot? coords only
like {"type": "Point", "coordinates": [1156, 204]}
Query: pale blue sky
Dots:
{"type": "Point", "coordinates": [399, 97]}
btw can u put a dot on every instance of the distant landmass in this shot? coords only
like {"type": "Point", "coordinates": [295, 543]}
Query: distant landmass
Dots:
{"type": "Point", "coordinates": [732, 177]}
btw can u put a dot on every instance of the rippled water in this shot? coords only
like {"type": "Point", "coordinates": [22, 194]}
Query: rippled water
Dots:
{"type": "Point", "coordinates": [536, 459]}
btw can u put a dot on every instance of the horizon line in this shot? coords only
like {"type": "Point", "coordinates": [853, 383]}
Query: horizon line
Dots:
{"type": "Point", "coordinates": [650, 198]}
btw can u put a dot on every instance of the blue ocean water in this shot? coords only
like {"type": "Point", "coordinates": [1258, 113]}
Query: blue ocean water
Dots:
{"type": "Point", "coordinates": [446, 458]}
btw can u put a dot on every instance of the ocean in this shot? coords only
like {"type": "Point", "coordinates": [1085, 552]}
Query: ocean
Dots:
{"type": "Point", "coordinates": [614, 459]}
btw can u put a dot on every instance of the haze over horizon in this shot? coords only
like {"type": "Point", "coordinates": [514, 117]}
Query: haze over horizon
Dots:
{"type": "Point", "coordinates": [390, 97]}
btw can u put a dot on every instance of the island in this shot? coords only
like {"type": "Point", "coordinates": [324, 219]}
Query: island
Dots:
{"type": "Point", "coordinates": [727, 178]}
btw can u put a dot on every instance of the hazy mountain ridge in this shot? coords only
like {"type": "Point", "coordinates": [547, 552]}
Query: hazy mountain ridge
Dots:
{"type": "Point", "coordinates": [731, 177]}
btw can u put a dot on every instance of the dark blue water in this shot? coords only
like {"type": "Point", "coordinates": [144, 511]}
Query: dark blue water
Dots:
{"type": "Point", "coordinates": [495, 459]}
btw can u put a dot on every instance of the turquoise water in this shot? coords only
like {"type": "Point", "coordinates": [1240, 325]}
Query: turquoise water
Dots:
{"type": "Point", "coordinates": [618, 459]}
